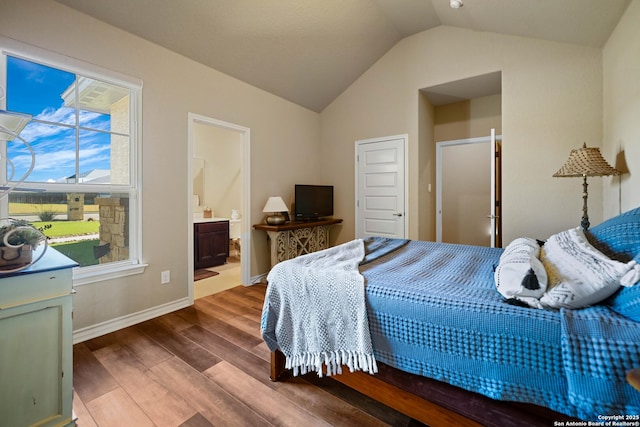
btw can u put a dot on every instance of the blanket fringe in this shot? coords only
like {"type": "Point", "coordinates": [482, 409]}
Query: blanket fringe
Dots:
{"type": "Point", "coordinates": [333, 361]}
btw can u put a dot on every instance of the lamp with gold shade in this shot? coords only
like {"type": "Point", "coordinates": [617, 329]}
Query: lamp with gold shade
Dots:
{"type": "Point", "coordinates": [584, 162]}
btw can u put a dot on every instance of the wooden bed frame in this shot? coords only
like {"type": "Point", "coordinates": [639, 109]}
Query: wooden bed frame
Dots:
{"type": "Point", "coordinates": [433, 402]}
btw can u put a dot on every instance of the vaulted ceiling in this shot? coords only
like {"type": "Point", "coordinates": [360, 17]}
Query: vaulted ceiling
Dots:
{"type": "Point", "coordinates": [309, 51]}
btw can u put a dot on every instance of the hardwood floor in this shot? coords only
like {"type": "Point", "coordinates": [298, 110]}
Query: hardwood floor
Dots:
{"type": "Point", "coordinates": [207, 365]}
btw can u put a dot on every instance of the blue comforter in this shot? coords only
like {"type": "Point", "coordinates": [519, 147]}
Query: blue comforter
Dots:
{"type": "Point", "coordinates": [434, 311]}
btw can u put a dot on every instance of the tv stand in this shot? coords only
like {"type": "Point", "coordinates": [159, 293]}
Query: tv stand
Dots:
{"type": "Point", "coordinates": [307, 220]}
{"type": "Point", "coordinates": [296, 238]}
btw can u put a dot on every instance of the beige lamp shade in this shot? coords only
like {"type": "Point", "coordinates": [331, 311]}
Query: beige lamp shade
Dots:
{"type": "Point", "coordinates": [275, 205]}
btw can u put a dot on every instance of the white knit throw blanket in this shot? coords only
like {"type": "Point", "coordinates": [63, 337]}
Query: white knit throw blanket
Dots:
{"type": "Point", "coordinates": [318, 303]}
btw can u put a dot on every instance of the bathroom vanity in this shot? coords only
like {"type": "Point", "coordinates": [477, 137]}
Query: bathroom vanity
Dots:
{"type": "Point", "coordinates": [211, 241]}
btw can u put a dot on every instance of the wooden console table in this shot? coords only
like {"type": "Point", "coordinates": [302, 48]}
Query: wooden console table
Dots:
{"type": "Point", "coordinates": [297, 238]}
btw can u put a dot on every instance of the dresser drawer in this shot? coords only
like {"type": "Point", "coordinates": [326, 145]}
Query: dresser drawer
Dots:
{"type": "Point", "coordinates": [34, 287]}
{"type": "Point", "coordinates": [209, 227]}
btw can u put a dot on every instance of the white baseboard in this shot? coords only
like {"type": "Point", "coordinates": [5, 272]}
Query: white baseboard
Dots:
{"type": "Point", "coordinates": [113, 325]}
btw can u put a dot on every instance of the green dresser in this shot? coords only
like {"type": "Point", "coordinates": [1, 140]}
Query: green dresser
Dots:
{"type": "Point", "coordinates": [36, 348]}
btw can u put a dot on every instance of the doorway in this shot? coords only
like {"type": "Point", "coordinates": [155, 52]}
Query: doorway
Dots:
{"type": "Point", "coordinates": [223, 186]}
{"type": "Point", "coordinates": [468, 191]}
{"type": "Point", "coordinates": [463, 110]}
{"type": "Point", "coordinates": [381, 177]}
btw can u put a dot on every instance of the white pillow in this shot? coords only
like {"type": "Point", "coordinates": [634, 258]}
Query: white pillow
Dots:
{"type": "Point", "coordinates": [579, 274]}
{"type": "Point", "coordinates": [520, 275]}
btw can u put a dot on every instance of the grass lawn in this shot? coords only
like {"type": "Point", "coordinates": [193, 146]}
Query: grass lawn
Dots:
{"type": "Point", "coordinates": [68, 228]}
{"type": "Point", "coordinates": [81, 252]}
{"type": "Point", "coordinates": [31, 209]}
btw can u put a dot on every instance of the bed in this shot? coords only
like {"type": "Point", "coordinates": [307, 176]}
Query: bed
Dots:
{"type": "Point", "coordinates": [449, 349]}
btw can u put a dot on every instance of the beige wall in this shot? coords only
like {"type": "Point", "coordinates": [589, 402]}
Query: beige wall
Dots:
{"type": "Point", "coordinates": [551, 103]}
{"type": "Point", "coordinates": [222, 151]}
{"type": "Point", "coordinates": [621, 141]}
{"type": "Point", "coordinates": [426, 168]}
{"type": "Point", "coordinates": [173, 87]}
{"type": "Point", "coordinates": [468, 119]}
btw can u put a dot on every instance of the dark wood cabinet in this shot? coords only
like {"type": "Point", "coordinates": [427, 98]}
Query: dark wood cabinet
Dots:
{"type": "Point", "coordinates": [211, 241]}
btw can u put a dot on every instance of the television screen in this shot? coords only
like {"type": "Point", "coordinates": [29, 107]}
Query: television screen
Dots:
{"type": "Point", "coordinates": [313, 201]}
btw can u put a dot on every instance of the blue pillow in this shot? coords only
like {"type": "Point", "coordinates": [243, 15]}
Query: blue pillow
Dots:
{"type": "Point", "coordinates": [618, 237]}
{"type": "Point", "coordinates": [626, 302]}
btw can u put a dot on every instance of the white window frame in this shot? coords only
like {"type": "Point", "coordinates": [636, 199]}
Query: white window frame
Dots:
{"type": "Point", "coordinates": [112, 270]}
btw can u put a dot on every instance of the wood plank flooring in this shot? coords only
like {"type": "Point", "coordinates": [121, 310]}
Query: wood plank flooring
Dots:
{"type": "Point", "coordinates": [207, 365]}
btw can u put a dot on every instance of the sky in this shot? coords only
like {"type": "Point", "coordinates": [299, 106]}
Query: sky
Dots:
{"type": "Point", "coordinates": [36, 90]}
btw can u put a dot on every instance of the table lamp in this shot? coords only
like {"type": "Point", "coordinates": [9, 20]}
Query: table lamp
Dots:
{"type": "Point", "coordinates": [275, 205]}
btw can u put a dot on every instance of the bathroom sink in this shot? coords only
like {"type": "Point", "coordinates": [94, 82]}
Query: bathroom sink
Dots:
{"type": "Point", "coordinates": [200, 218]}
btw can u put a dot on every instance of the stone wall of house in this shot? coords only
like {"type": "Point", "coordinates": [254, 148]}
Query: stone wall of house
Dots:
{"type": "Point", "coordinates": [114, 227]}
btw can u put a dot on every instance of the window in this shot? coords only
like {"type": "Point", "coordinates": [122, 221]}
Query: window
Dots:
{"type": "Point", "coordinates": [84, 182]}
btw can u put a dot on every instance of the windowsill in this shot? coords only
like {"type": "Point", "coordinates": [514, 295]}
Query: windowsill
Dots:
{"type": "Point", "coordinates": [88, 275]}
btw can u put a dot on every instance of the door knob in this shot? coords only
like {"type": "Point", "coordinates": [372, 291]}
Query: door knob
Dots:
{"type": "Point", "coordinates": [397, 214]}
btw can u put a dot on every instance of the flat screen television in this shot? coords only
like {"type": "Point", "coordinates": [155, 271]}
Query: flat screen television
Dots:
{"type": "Point", "coordinates": [313, 202]}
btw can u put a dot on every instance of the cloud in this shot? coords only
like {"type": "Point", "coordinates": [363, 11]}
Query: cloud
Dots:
{"type": "Point", "coordinates": [59, 115]}
{"type": "Point", "coordinates": [35, 72]}
{"type": "Point", "coordinates": [54, 146]}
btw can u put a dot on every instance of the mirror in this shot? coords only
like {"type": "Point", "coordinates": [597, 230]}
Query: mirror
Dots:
{"type": "Point", "coordinates": [198, 181]}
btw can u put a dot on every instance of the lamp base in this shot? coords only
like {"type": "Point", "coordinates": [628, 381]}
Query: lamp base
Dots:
{"type": "Point", "coordinates": [275, 219]}
{"type": "Point", "coordinates": [584, 223]}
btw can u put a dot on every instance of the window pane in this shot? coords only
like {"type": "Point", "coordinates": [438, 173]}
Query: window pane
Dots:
{"type": "Point", "coordinates": [104, 158]}
{"type": "Point", "coordinates": [54, 148]}
{"type": "Point", "coordinates": [38, 90]}
{"type": "Point", "coordinates": [95, 155]}
{"type": "Point", "coordinates": [50, 94]}
{"type": "Point", "coordinates": [120, 169]}
{"type": "Point", "coordinates": [89, 228]}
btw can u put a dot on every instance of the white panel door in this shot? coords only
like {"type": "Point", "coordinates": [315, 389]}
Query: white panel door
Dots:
{"type": "Point", "coordinates": [380, 187]}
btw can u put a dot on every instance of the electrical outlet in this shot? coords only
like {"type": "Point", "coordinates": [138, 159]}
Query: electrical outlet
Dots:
{"type": "Point", "coordinates": [165, 277]}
